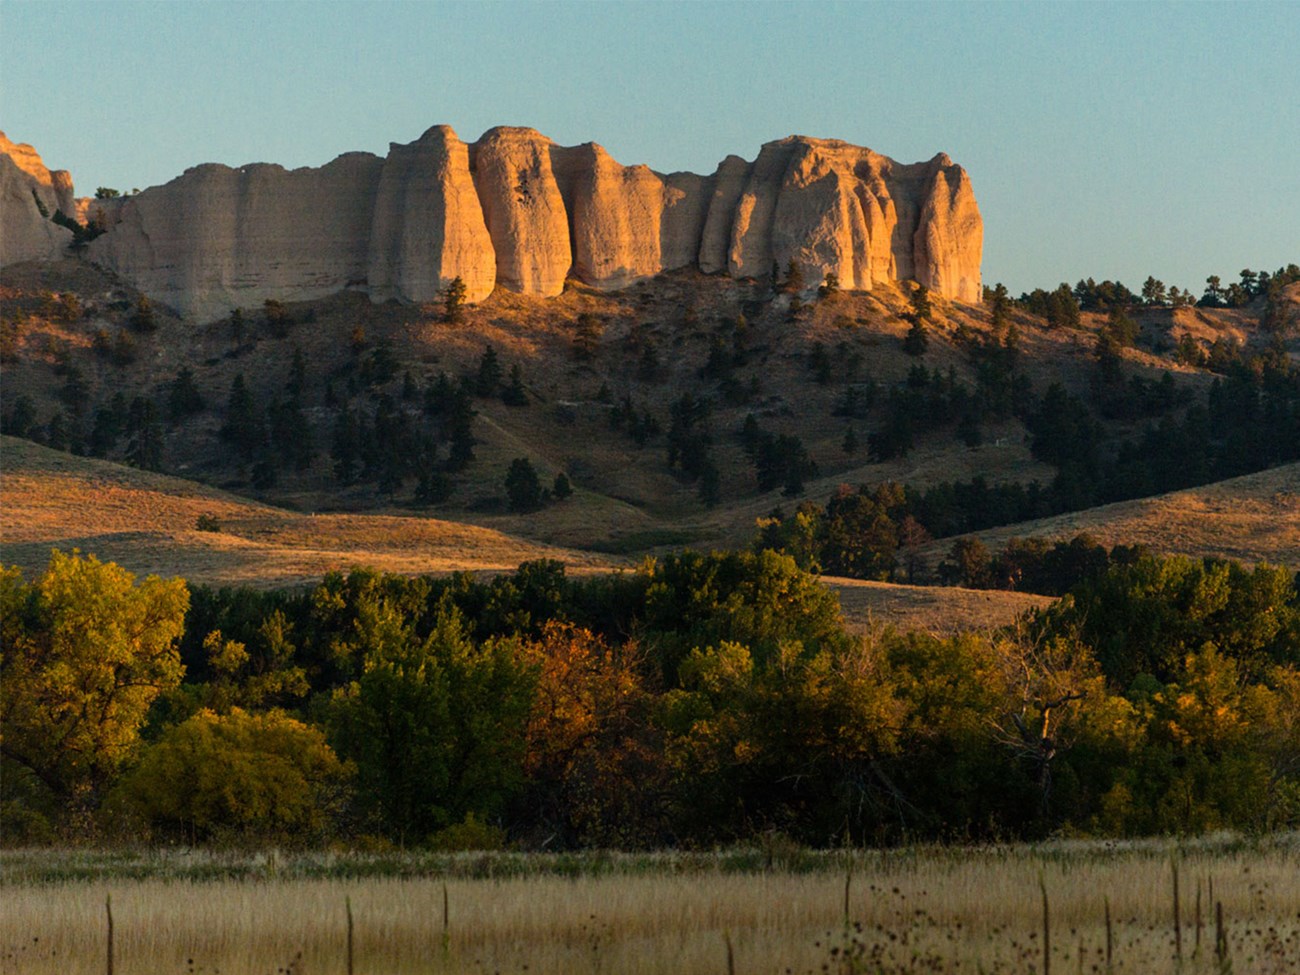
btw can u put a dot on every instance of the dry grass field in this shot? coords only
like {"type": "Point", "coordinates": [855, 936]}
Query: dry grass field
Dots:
{"type": "Point", "coordinates": [1250, 519]}
{"type": "Point", "coordinates": [146, 522]}
{"type": "Point", "coordinates": [941, 610]}
{"type": "Point", "coordinates": [931, 911]}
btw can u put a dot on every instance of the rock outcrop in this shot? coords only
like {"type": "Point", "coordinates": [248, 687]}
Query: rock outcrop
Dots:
{"type": "Point", "coordinates": [30, 195]}
{"type": "Point", "coordinates": [427, 228]}
{"type": "Point", "coordinates": [525, 213]}
{"type": "Point", "coordinates": [515, 210]}
{"type": "Point", "coordinates": [217, 238]}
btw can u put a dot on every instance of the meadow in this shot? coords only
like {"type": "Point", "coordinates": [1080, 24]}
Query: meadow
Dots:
{"type": "Point", "coordinates": [770, 908]}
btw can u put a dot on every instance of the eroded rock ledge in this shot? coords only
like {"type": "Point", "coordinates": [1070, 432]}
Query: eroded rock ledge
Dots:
{"type": "Point", "coordinates": [515, 210]}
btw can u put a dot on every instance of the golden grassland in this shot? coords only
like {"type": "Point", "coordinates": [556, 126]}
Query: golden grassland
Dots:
{"type": "Point", "coordinates": [147, 523]}
{"type": "Point", "coordinates": [942, 610]}
{"type": "Point", "coordinates": [1255, 518]}
{"type": "Point", "coordinates": [910, 910]}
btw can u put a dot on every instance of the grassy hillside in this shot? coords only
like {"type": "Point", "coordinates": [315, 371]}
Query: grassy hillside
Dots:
{"type": "Point", "coordinates": [147, 523]}
{"type": "Point", "coordinates": [1255, 518]}
{"type": "Point", "coordinates": [601, 377]}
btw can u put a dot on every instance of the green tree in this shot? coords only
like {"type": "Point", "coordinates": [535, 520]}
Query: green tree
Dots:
{"type": "Point", "coordinates": [920, 301]}
{"type": "Point", "coordinates": [587, 333]}
{"type": "Point", "coordinates": [144, 435]}
{"type": "Point", "coordinates": [453, 301]}
{"type": "Point", "coordinates": [86, 653]}
{"type": "Point", "coordinates": [183, 396]}
{"type": "Point", "coordinates": [488, 377]}
{"type": "Point", "coordinates": [793, 283]}
{"type": "Point", "coordinates": [1153, 291]}
{"type": "Point", "coordinates": [916, 341]}
{"type": "Point", "coordinates": [523, 488]}
{"type": "Point", "coordinates": [435, 725]}
{"type": "Point", "coordinates": [513, 394]}
{"type": "Point", "coordinates": [758, 599]}
{"type": "Point", "coordinates": [562, 489]}
{"type": "Point", "coordinates": [1000, 307]}
{"type": "Point", "coordinates": [850, 444]}
{"type": "Point", "coordinates": [243, 427]}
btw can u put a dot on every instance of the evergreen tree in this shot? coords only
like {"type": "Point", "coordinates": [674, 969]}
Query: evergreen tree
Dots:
{"type": "Point", "coordinates": [850, 441]}
{"type": "Point", "coordinates": [75, 392]}
{"type": "Point", "coordinates": [345, 447]}
{"type": "Point", "coordinates": [916, 341]}
{"type": "Point", "coordinates": [920, 299]}
{"type": "Point", "coordinates": [183, 396]}
{"type": "Point", "coordinates": [453, 298]}
{"type": "Point", "coordinates": [243, 427]}
{"type": "Point", "coordinates": [489, 373]}
{"type": "Point", "coordinates": [523, 488]}
{"type": "Point", "coordinates": [21, 420]}
{"type": "Point", "coordinates": [144, 435]}
{"type": "Point", "coordinates": [793, 278]}
{"type": "Point", "coordinates": [513, 394]}
{"type": "Point", "coordinates": [709, 488]}
{"type": "Point", "coordinates": [561, 489]}
{"type": "Point", "coordinates": [105, 432]}
{"type": "Point", "coordinates": [296, 384]}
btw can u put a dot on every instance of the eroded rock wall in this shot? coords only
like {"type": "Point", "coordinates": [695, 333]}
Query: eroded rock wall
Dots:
{"type": "Point", "coordinates": [427, 227]}
{"type": "Point", "coordinates": [30, 195]}
{"type": "Point", "coordinates": [218, 238]}
{"type": "Point", "coordinates": [517, 211]}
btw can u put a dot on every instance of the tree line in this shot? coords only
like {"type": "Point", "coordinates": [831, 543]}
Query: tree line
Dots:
{"type": "Point", "coordinates": [703, 698]}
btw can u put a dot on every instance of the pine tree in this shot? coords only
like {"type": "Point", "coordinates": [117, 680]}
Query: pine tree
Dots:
{"type": "Point", "coordinates": [144, 435]}
{"type": "Point", "coordinates": [243, 427]}
{"type": "Point", "coordinates": [523, 488]}
{"type": "Point", "coordinates": [916, 341]}
{"type": "Point", "coordinates": [453, 298]}
{"type": "Point", "coordinates": [793, 278]}
{"type": "Point", "coordinates": [489, 373]}
{"type": "Point", "coordinates": [513, 394]}
{"type": "Point", "coordinates": [850, 441]}
{"type": "Point", "coordinates": [562, 489]}
{"type": "Point", "coordinates": [183, 397]}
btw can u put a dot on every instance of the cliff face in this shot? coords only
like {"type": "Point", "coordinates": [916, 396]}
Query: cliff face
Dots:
{"type": "Point", "coordinates": [26, 189]}
{"type": "Point", "coordinates": [517, 211]}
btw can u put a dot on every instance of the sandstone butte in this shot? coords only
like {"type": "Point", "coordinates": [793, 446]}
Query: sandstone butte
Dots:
{"type": "Point", "coordinates": [512, 210]}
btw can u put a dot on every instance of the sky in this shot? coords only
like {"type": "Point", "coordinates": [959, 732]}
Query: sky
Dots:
{"type": "Point", "coordinates": [1112, 140]}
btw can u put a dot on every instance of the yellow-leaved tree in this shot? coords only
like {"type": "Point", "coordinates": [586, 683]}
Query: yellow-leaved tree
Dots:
{"type": "Point", "coordinates": [85, 652]}
{"type": "Point", "coordinates": [259, 775]}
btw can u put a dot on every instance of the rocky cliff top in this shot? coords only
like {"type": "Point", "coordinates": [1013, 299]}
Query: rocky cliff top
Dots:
{"type": "Point", "coordinates": [515, 210]}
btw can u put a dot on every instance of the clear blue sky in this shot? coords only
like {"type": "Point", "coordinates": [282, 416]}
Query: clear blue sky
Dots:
{"type": "Point", "coordinates": [1106, 140]}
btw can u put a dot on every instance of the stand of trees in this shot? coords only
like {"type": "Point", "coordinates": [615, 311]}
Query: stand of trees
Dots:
{"type": "Point", "coordinates": [701, 699]}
